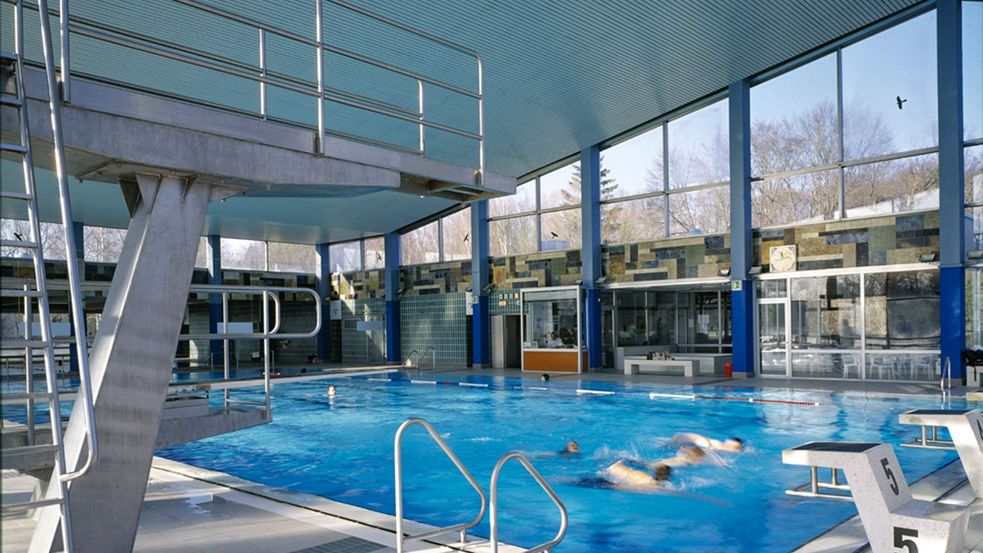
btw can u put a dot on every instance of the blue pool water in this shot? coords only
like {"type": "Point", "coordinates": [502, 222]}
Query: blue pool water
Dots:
{"type": "Point", "coordinates": [342, 449]}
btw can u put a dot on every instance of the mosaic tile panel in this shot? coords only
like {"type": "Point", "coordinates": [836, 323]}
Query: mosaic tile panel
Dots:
{"type": "Point", "coordinates": [553, 268]}
{"type": "Point", "coordinates": [359, 285]}
{"type": "Point", "coordinates": [436, 278]}
{"type": "Point", "coordinates": [869, 242]}
{"type": "Point", "coordinates": [687, 257]}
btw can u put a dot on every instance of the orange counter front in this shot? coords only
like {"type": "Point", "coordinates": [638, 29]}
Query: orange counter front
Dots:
{"type": "Point", "coordinates": [552, 360]}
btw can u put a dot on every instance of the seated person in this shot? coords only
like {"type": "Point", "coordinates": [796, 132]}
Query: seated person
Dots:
{"type": "Point", "coordinates": [553, 341]}
{"type": "Point", "coordinates": [572, 448]}
{"type": "Point", "coordinates": [734, 445]}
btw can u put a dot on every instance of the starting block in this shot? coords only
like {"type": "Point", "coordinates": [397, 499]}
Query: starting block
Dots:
{"type": "Point", "coordinates": [892, 519]}
{"type": "Point", "coordinates": [966, 430]}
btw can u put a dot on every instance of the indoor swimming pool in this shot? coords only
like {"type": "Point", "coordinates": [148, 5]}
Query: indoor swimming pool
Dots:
{"type": "Point", "coordinates": [342, 449]}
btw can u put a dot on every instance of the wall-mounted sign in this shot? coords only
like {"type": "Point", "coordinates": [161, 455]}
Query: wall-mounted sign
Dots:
{"type": "Point", "coordinates": [334, 310]}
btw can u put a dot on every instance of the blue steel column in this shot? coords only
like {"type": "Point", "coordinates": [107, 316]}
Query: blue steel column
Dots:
{"type": "Point", "coordinates": [952, 273]}
{"type": "Point", "coordinates": [215, 349]}
{"type": "Point", "coordinates": [479, 281]}
{"type": "Point", "coordinates": [590, 253]}
{"type": "Point", "coordinates": [78, 229]}
{"type": "Point", "coordinates": [324, 293]}
{"type": "Point", "coordinates": [742, 292]}
{"type": "Point", "coordinates": [392, 285]}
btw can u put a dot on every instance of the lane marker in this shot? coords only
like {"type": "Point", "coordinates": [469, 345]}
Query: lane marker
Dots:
{"type": "Point", "coordinates": [472, 385]}
{"type": "Point", "coordinates": [379, 380]}
{"type": "Point", "coordinates": [595, 392]}
{"type": "Point", "coordinates": [654, 395]}
{"type": "Point", "coordinates": [431, 382]}
{"type": "Point", "coordinates": [532, 388]}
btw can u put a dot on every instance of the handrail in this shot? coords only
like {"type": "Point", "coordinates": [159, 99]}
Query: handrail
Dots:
{"type": "Point", "coordinates": [944, 385]}
{"type": "Point", "coordinates": [493, 511]}
{"type": "Point", "coordinates": [261, 73]}
{"type": "Point", "coordinates": [398, 470]}
{"type": "Point", "coordinates": [75, 291]}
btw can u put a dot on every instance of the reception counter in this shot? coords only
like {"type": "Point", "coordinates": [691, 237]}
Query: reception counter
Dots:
{"type": "Point", "coordinates": [552, 360]}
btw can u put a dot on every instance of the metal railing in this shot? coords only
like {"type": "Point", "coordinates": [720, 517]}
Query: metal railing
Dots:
{"type": "Point", "coordinates": [269, 294]}
{"type": "Point", "coordinates": [265, 77]}
{"type": "Point", "coordinates": [462, 527]}
{"type": "Point", "coordinates": [493, 511]}
{"type": "Point", "coordinates": [945, 379]}
{"type": "Point", "coordinates": [408, 363]}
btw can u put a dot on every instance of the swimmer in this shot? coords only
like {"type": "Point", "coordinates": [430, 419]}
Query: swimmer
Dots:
{"type": "Point", "coordinates": [332, 392]}
{"type": "Point", "coordinates": [621, 476]}
{"type": "Point", "coordinates": [572, 448]}
{"type": "Point", "coordinates": [685, 455]}
{"type": "Point", "coordinates": [733, 445]}
{"type": "Point", "coordinates": [546, 377]}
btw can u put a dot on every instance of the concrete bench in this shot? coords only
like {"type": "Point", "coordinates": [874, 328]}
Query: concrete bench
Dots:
{"type": "Point", "coordinates": [892, 519]}
{"type": "Point", "coordinates": [634, 365]}
{"type": "Point", "coordinates": [965, 427]}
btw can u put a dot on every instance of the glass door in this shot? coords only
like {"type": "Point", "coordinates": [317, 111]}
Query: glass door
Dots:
{"type": "Point", "coordinates": [773, 337]}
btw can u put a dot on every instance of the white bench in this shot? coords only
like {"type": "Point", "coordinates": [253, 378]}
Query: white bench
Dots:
{"type": "Point", "coordinates": [965, 427]}
{"type": "Point", "coordinates": [892, 519]}
{"type": "Point", "coordinates": [634, 364]}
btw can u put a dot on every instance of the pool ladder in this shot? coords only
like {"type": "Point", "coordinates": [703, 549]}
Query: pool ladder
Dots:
{"type": "Point", "coordinates": [463, 527]}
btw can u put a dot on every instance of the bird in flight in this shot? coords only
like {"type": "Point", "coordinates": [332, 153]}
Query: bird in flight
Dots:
{"type": "Point", "coordinates": [900, 101]}
{"type": "Point", "coordinates": [18, 236]}
{"type": "Point", "coordinates": [554, 235]}
{"type": "Point", "coordinates": [466, 236]}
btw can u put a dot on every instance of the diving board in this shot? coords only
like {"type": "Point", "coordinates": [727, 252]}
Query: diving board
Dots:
{"type": "Point", "coordinates": [892, 519]}
{"type": "Point", "coordinates": [965, 428]}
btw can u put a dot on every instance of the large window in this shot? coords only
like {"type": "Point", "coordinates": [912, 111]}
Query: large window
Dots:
{"type": "Point", "coordinates": [295, 258]}
{"type": "Point", "coordinates": [345, 257]}
{"type": "Point", "coordinates": [375, 253]}
{"type": "Point", "coordinates": [248, 255]}
{"type": "Point", "coordinates": [973, 69]}
{"type": "Point", "coordinates": [973, 165]}
{"type": "Point", "coordinates": [52, 238]}
{"type": "Point", "coordinates": [543, 214]}
{"type": "Point", "coordinates": [421, 245]}
{"type": "Point", "coordinates": [103, 245]}
{"type": "Point", "coordinates": [640, 193]}
{"type": "Point", "coordinates": [851, 134]}
{"type": "Point", "coordinates": [455, 235]}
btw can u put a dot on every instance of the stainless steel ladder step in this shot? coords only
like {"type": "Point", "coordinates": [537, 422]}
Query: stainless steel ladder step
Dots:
{"type": "Point", "coordinates": [22, 396]}
{"type": "Point", "coordinates": [28, 505]}
{"type": "Point", "coordinates": [13, 148]}
{"type": "Point", "coordinates": [20, 294]}
{"type": "Point", "coordinates": [8, 100]}
{"type": "Point", "coordinates": [16, 196]}
{"type": "Point", "coordinates": [15, 343]}
{"type": "Point", "coordinates": [22, 244]}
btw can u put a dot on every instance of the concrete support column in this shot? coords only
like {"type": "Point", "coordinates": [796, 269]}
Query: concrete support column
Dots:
{"type": "Point", "coordinates": [742, 289]}
{"type": "Point", "coordinates": [130, 363]}
{"type": "Point", "coordinates": [479, 282]}
{"type": "Point", "coordinates": [324, 292]}
{"type": "Point", "coordinates": [215, 347]}
{"type": "Point", "coordinates": [590, 253]}
{"type": "Point", "coordinates": [952, 217]}
{"type": "Point", "coordinates": [78, 229]}
{"type": "Point", "coordinates": [392, 284]}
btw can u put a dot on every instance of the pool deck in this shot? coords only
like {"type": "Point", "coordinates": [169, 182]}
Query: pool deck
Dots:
{"type": "Point", "coordinates": [192, 510]}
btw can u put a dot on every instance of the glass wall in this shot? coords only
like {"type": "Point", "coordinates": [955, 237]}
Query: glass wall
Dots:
{"type": "Point", "coordinates": [688, 322]}
{"type": "Point", "coordinates": [420, 246]}
{"type": "Point", "coordinates": [878, 326]}
{"type": "Point", "coordinates": [446, 239]}
{"type": "Point", "coordinates": [345, 256]}
{"type": "Point", "coordinates": [52, 238]}
{"type": "Point", "coordinates": [543, 214]}
{"type": "Point", "coordinates": [103, 245]}
{"type": "Point", "coordinates": [645, 198]}
{"type": "Point", "coordinates": [455, 235]}
{"type": "Point", "coordinates": [851, 134]}
{"type": "Point", "coordinates": [550, 319]}
{"type": "Point", "coordinates": [248, 255]}
{"type": "Point", "coordinates": [375, 253]}
{"type": "Point", "coordinates": [293, 258]}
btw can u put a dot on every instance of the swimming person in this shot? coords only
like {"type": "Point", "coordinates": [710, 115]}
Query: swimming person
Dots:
{"type": "Point", "coordinates": [621, 476]}
{"type": "Point", "coordinates": [332, 392]}
{"type": "Point", "coordinates": [572, 448]}
{"type": "Point", "coordinates": [553, 341]}
{"type": "Point", "coordinates": [685, 455]}
{"type": "Point", "coordinates": [734, 445]}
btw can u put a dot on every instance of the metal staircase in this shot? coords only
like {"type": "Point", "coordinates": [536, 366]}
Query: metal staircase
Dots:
{"type": "Point", "coordinates": [35, 448]}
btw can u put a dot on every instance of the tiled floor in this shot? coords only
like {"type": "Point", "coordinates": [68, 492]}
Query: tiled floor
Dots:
{"type": "Point", "coordinates": [215, 513]}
